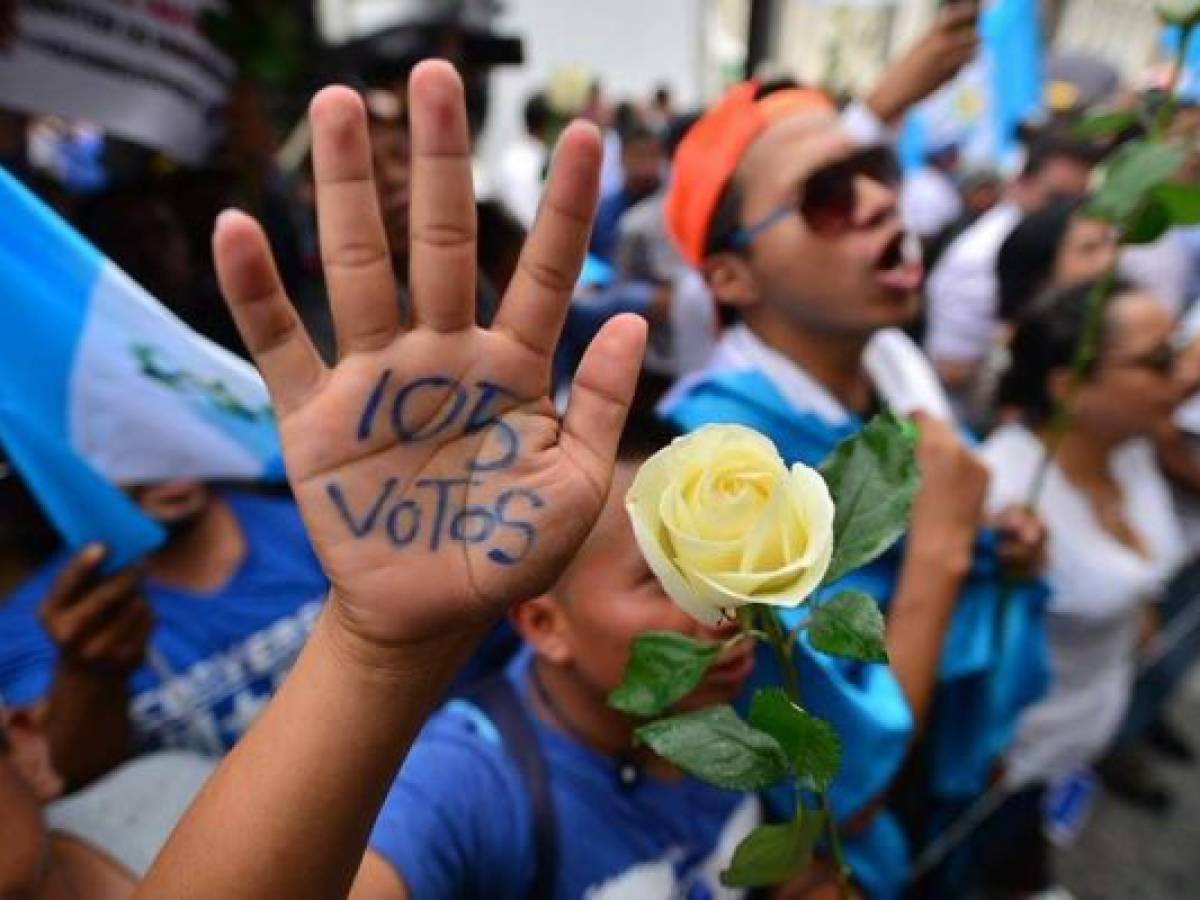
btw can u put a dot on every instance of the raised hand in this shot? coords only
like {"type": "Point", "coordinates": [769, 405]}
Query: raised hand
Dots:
{"type": "Point", "coordinates": [437, 483]}
{"type": "Point", "coordinates": [937, 56]}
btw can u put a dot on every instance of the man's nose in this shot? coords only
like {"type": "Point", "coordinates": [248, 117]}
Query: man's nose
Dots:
{"type": "Point", "coordinates": [874, 202]}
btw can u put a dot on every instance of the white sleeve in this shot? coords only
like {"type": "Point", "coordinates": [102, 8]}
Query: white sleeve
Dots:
{"type": "Point", "coordinates": [864, 126]}
{"type": "Point", "coordinates": [962, 309]}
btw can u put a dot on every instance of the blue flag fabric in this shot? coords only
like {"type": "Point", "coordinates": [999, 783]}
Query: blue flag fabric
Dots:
{"type": "Point", "coordinates": [101, 387]}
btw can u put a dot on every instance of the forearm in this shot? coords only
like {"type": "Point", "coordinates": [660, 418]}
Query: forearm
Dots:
{"type": "Point", "coordinates": [917, 620]}
{"type": "Point", "coordinates": [87, 724]}
{"type": "Point", "coordinates": [289, 811]}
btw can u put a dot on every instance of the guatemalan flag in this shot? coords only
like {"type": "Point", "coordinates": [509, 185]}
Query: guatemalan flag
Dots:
{"type": "Point", "coordinates": [102, 387]}
{"type": "Point", "coordinates": [981, 108]}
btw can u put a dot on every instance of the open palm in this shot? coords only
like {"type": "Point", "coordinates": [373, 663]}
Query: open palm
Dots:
{"type": "Point", "coordinates": [437, 483]}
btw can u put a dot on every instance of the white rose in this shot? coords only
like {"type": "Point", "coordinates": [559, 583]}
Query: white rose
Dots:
{"type": "Point", "coordinates": [723, 522]}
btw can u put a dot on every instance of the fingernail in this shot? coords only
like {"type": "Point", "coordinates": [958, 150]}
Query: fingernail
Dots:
{"type": "Point", "coordinates": [225, 215]}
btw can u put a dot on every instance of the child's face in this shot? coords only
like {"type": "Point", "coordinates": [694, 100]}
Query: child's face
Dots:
{"type": "Point", "coordinates": [609, 596]}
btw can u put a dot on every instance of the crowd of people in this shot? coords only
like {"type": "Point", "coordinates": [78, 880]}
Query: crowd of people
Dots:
{"type": "Point", "coordinates": [345, 718]}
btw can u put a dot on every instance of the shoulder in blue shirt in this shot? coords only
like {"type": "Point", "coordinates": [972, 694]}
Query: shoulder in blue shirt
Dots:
{"type": "Point", "coordinates": [458, 823]}
{"type": "Point", "coordinates": [214, 658]}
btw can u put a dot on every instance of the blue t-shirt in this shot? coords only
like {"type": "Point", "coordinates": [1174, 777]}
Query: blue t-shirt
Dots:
{"type": "Point", "coordinates": [458, 823]}
{"type": "Point", "coordinates": [214, 659]}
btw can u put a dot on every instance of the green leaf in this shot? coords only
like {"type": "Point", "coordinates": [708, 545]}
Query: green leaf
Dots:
{"type": "Point", "coordinates": [1184, 13]}
{"type": "Point", "coordinates": [872, 478]}
{"type": "Point", "coordinates": [1135, 169]}
{"type": "Point", "coordinates": [849, 625]}
{"type": "Point", "coordinates": [1104, 123]}
{"type": "Point", "coordinates": [810, 743]}
{"type": "Point", "coordinates": [1148, 224]}
{"type": "Point", "coordinates": [1182, 202]}
{"type": "Point", "coordinates": [663, 668]}
{"type": "Point", "coordinates": [771, 854]}
{"type": "Point", "coordinates": [714, 745]}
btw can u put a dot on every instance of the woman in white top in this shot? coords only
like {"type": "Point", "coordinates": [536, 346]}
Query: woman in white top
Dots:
{"type": "Point", "coordinates": [1114, 538]}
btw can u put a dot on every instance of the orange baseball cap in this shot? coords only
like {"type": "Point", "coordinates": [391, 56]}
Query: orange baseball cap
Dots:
{"type": "Point", "coordinates": [709, 154]}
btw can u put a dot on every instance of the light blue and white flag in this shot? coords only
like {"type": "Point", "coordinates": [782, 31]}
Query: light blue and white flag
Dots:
{"type": "Point", "coordinates": [102, 387]}
{"type": "Point", "coordinates": [981, 108]}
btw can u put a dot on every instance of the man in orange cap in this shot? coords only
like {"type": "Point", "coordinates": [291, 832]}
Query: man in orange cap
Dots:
{"type": "Point", "coordinates": [795, 225]}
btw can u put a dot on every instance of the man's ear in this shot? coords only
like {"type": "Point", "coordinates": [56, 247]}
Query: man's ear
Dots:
{"type": "Point", "coordinates": [1058, 385]}
{"type": "Point", "coordinates": [731, 280]}
{"type": "Point", "coordinates": [542, 624]}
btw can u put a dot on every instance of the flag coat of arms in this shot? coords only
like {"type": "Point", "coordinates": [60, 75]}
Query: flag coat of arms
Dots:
{"type": "Point", "coordinates": [101, 387]}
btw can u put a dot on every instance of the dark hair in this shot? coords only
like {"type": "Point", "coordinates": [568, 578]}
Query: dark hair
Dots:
{"type": "Point", "coordinates": [639, 133]}
{"type": "Point", "coordinates": [677, 130]}
{"type": "Point", "coordinates": [1025, 263]}
{"type": "Point", "coordinates": [645, 431]}
{"type": "Point", "coordinates": [1044, 149]}
{"type": "Point", "coordinates": [626, 118]}
{"type": "Point", "coordinates": [662, 94]}
{"type": "Point", "coordinates": [537, 114]}
{"type": "Point", "coordinates": [1047, 339]}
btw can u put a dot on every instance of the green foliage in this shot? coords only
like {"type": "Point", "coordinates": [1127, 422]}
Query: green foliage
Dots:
{"type": "Point", "coordinates": [811, 744]}
{"type": "Point", "coordinates": [713, 744]}
{"type": "Point", "coordinates": [1105, 123]}
{"type": "Point", "coordinates": [849, 625]}
{"type": "Point", "coordinates": [664, 667]}
{"type": "Point", "coordinates": [771, 854]}
{"type": "Point", "coordinates": [873, 478]}
{"type": "Point", "coordinates": [1182, 202]}
{"type": "Point", "coordinates": [1151, 221]}
{"type": "Point", "coordinates": [1135, 170]}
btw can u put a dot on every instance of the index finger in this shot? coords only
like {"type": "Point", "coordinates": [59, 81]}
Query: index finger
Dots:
{"type": "Point", "coordinates": [78, 571]}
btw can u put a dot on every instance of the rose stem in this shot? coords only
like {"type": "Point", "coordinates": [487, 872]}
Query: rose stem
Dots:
{"type": "Point", "coordinates": [779, 643]}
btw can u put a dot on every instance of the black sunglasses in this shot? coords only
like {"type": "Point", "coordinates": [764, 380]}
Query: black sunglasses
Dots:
{"type": "Point", "coordinates": [827, 197]}
{"type": "Point", "coordinates": [1161, 360]}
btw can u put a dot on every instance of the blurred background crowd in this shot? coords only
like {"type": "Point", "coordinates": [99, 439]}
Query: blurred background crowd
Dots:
{"type": "Point", "coordinates": [119, 690]}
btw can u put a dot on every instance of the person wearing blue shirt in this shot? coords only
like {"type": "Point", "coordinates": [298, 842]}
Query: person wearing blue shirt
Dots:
{"type": "Point", "coordinates": [462, 818]}
{"type": "Point", "coordinates": [794, 220]}
{"type": "Point", "coordinates": [179, 652]}
{"type": "Point", "coordinates": [642, 162]}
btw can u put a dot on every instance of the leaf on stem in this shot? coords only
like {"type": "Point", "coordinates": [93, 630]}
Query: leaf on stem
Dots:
{"type": "Point", "coordinates": [1104, 123]}
{"type": "Point", "coordinates": [714, 745]}
{"type": "Point", "coordinates": [664, 667]}
{"type": "Point", "coordinates": [872, 478]}
{"type": "Point", "coordinates": [849, 625]}
{"type": "Point", "coordinates": [771, 854]}
{"type": "Point", "coordinates": [811, 744]}
{"type": "Point", "coordinates": [1182, 202]}
{"type": "Point", "coordinates": [1134, 171]}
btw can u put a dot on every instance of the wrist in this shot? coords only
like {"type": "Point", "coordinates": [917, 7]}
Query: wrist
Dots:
{"type": "Point", "coordinates": [407, 664]}
{"type": "Point", "coordinates": [887, 106]}
{"type": "Point", "coordinates": [100, 675]}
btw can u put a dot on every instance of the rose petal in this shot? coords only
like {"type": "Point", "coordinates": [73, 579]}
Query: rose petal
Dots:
{"type": "Point", "coordinates": [672, 580]}
{"type": "Point", "coordinates": [816, 510]}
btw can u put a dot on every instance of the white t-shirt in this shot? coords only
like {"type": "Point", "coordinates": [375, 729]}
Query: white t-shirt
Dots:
{"type": "Point", "coordinates": [962, 289]}
{"type": "Point", "coordinates": [518, 178]}
{"type": "Point", "coordinates": [929, 201]}
{"type": "Point", "coordinates": [1098, 589]}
